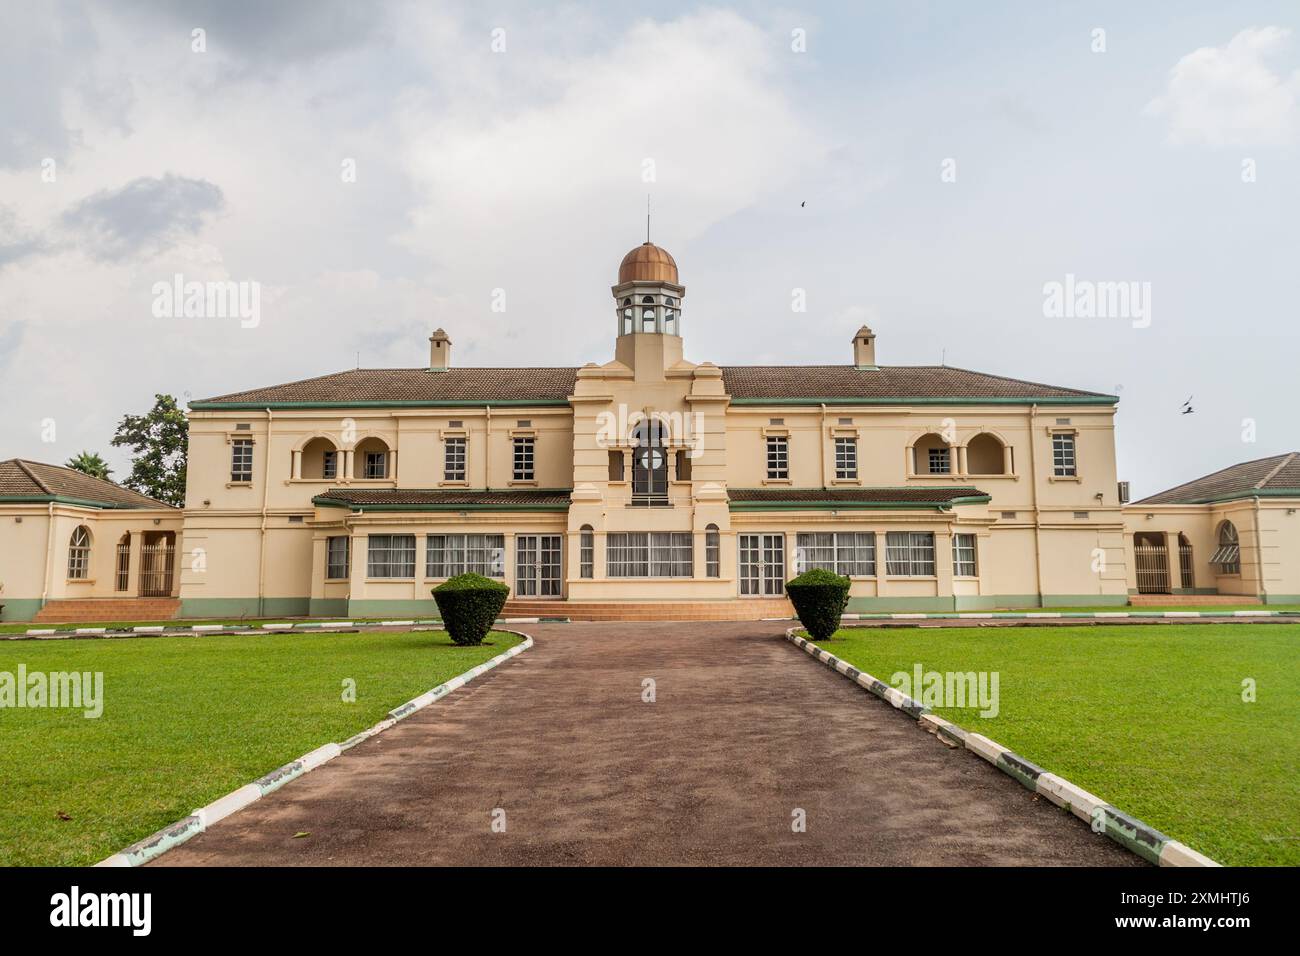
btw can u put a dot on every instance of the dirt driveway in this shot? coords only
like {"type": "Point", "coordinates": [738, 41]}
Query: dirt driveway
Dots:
{"type": "Point", "coordinates": [745, 730]}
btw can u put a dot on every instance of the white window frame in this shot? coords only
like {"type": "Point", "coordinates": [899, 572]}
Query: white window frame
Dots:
{"type": "Point", "coordinates": [332, 555]}
{"type": "Point", "coordinates": [850, 553]}
{"type": "Point", "coordinates": [846, 458]}
{"type": "Point", "coordinates": [447, 555]}
{"type": "Point", "coordinates": [1065, 455]}
{"type": "Point", "coordinates": [79, 554]}
{"type": "Point", "coordinates": [329, 464]}
{"type": "Point", "coordinates": [455, 460]}
{"type": "Point", "coordinates": [909, 554]}
{"type": "Point", "coordinates": [778, 457]}
{"type": "Point", "coordinates": [649, 554]}
{"type": "Point", "coordinates": [965, 556]}
{"type": "Point", "coordinates": [938, 455]}
{"type": "Point", "coordinates": [241, 461]}
{"type": "Point", "coordinates": [376, 465]}
{"type": "Point", "coordinates": [524, 461]}
{"type": "Point", "coordinates": [390, 557]}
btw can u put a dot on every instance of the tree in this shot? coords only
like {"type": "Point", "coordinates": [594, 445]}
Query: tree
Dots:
{"type": "Point", "coordinates": [89, 463]}
{"type": "Point", "coordinates": [159, 440]}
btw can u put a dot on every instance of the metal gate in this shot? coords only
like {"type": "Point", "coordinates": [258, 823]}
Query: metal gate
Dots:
{"type": "Point", "coordinates": [762, 565]}
{"type": "Point", "coordinates": [537, 565]}
{"type": "Point", "coordinates": [1152, 565]}
{"type": "Point", "coordinates": [157, 563]}
{"type": "Point", "coordinates": [123, 571]}
{"type": "Point", "coordinates": [1185, 566]}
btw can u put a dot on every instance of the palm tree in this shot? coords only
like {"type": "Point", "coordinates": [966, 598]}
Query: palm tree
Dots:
{"type": "Point", "coordinates": [89, 463]}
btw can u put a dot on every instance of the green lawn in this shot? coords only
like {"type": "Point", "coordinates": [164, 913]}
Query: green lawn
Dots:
{"type": "Point", "coordinates": [188, 719]}
{"type": "Point", "coordinates": [1150, 719]}
{"type": "Point", "coordinates": [22, 627]}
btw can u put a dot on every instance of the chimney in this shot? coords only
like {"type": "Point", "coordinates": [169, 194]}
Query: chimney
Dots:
{"type": "Point", "coordinates": [864, 348]}
{"type": "Point", "coordinates": [439, 351]}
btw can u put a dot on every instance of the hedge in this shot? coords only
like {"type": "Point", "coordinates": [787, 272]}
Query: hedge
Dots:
{"type": "Point", "coordinates": [469, 605]}
{"type": "Point", "coordinates": [819, 597]}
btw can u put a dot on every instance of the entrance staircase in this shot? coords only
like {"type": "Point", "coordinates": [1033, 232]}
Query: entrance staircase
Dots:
{"type": "Point", "coordinates": [86, 610]}
{"type": "Point", "coordinates": [749, 609]}
{"type": "Point", "coordinates": [1189, 600]}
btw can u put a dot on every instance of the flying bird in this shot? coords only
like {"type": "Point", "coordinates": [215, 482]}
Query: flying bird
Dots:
{"type": "Point", "coordinates": [1187, 406]}
{"type": "Point", "coordinates": [802, 204]}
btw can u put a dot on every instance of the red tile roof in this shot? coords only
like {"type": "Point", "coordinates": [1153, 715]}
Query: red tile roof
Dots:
{"type": "Point", "coordinates": [20, 478]}
{"type": "Point", "coordinates": [1270, 476]}
{"type": "Point", "coordinates": [844, 383]}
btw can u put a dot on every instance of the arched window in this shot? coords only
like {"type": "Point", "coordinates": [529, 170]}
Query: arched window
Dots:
{"type": "Point", "coordinates": [648, 313]}
{"type": "Point", "coordinates": [629, 318]}
{"type": "Point", "coordinates": [1227, 557]}
{"type": "Point", "coordinates": [649, 460]}
{"type": "Point", "coordinates": [370, 459]}
{"type": "Point", "coordinates": [319, 459]}
{"type": "Point", "coordinates": [79, 554]}
{"type": "Point", "coordinates": [586, 551]}
{"type": "Point", "coordinates": [984, 456]}
{"type": "Point", "coordinates": [931, 455]}
{"type": "Point", "coordinates": [122, 577]}
{"type": "Point", "coordinates": [670, 314]}
{"type": "Point", "coordinates": [712, 552]}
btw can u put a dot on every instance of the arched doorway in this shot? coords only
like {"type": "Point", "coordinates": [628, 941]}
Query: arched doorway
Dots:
{"type": "Point", "coordinates": [157, 563]}
{"type": "Point", "coordinates": [1151, 562]}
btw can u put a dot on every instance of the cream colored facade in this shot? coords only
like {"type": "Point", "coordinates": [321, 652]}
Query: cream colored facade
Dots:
{"type": "Point", "coordinates": [1039, 537]}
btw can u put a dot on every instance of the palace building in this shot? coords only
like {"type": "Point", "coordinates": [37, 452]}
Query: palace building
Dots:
{"type": "Point", "coordinates": [648, 481]}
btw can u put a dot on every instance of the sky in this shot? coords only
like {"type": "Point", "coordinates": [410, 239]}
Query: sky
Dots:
{"type": "Point", "coordinates": [931, 169]}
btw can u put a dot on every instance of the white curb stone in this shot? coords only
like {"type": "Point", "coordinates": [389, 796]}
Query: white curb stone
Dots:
{"type": "Point", "coordinates": [277, 627]}
{"type": "Point", "coordinates": [988, 749]}
{"type": "Point", "coordinates": [207, 627]}
{"type": "Point", "coordinates": [1065, 794]}
{"type": "Point", "coordinates": [1174, 853]}
{"type": "Point", "coordinates": [319, 756]}
{"type": "Point", "coordinates": [41, 632]}
{"type": "Point", "coordinates": [91, 630]}
{"type": "Point", "coordinates": [225, 806]}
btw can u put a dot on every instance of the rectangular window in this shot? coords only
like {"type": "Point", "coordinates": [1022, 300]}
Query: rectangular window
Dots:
{"type": "Point", "coordinates": [391, 556]}
{"type": "Point", "coordinates": [336, 558]}
{"type": "Point", "coordinates": [525, 457]}
{"type": "Point", "coordinates": [616, 466]}
{"type": "Point", "coordinates": [454, 460]}
{"type": "Point", "coordinates": [447, 555]}
{"type": "Point", "coordinates": [640, 554]}
{"type": "Point", "coordinates": [844, 552]}
{"type": "Point", "coordinates": [778, 456]}
{"type": "Point", "coordinates": [963, 556]}
{"type": "Point", "coordinates": [376, 464]}
{"type": "Point", "coordinates": [586, 553]}
{"type": "Point", "coordinates": [1063, 462]}
{"type": "Point", "coordinates": [846, 458]}
{"type": "Point", "coordinates": [712, 554]}
{"type": "Point", "coordinates": [241, 459]}
{"type": "Point", "coordinates": [938, 461]}
{"type": "Point", "coordinates": [909, 553]}
{"type": "Point", "coordinates": [329, 467]}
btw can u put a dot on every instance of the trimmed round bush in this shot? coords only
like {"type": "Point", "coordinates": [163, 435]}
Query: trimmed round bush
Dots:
{"type": "Point", "coordinates": [819, 597]}
{"type": "Point", "coordinates": [469, 605]}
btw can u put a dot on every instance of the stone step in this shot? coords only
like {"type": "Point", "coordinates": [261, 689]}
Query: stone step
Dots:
{"type": "Point", "coordinates": [84, 610]}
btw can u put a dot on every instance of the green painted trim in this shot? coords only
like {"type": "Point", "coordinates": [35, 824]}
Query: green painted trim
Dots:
{"type": "Point", "coordinates": [285, 607]}
{"type": "Point", "coordinates": [779, 505]}
{"type": "Point", "coordinates": [1085, 600]}
{"type": "Point", "coordinates": [1281, 598]}
{"type": "Point", "coordinates": [219, 607]}
{"type": "Point", "coordinates": [410, 607]}
{"type": "Point", "coordinates": [928, 400]}
{"type": "Point", "coordinates": [981, 602]}
{"type": "Point", "coordinates": [19, 609]}
{"type": "Point", "coordinates": [362, 508]}
{"type": "Point", "coordinates": [861, 605]}
{"type": "Point", "coordinates": [442, 403]}
{"type": "Point", "coordinates": [83, 502]}
{"type": "Point", "coordinates": [328, 607]}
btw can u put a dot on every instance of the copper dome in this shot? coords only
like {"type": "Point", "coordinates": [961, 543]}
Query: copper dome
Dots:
{"type": "Point", "coordinates": [647, 263]}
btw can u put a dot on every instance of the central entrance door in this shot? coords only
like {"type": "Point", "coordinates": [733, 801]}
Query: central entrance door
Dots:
{"type": "Point", "coordinates": [537, 565]}
{"type": "Point", "coordinates": [762, 565]}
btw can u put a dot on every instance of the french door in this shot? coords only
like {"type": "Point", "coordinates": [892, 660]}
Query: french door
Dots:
{"type": "Point", "coordinates": [537, 565]}
{"type": "Point", "coordinates": [762, 565]}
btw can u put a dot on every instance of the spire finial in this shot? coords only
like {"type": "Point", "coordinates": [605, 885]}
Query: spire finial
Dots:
{"type": "Point", "coordinates": [647, 217]}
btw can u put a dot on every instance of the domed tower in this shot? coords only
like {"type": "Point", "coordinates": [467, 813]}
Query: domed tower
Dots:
{"type": "Point", "coordinates": [648, 305]}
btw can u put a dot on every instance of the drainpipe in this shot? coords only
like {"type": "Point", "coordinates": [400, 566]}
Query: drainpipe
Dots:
{"type": "Point", "coordinates": [1033, 484]}
{"type": "Point", "coordinates": [822, 444]}
{"type": "Point", "coordinates": [261, 555]}
{"type": "Point", "coordinates": [487, 450]}
{"type": "Point", "coordinates": [1259, 555]}
{"type": "Point", "coordinates": [49, 552]}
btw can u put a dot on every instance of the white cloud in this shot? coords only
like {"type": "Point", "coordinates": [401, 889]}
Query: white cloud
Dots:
{"type": "Point", "coordinates": [1229, 95]}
